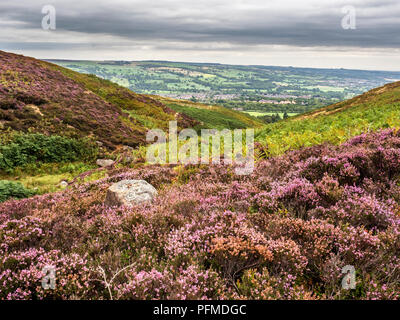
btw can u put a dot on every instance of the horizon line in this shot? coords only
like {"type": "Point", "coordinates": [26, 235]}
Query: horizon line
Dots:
{"type": "Point", "coordinates": [223, 64]}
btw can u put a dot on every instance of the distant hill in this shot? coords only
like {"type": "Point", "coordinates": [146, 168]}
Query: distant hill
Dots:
{"type": "Point", "coordinates": [38, 96]}
{"type": "Point", "coordinates": [247, 87]}
{"type": "Point", "coordinates": [373, 110]}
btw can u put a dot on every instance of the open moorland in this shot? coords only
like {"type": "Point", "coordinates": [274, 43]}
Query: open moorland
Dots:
{"type": "Point", "coordinates": [324, 194]}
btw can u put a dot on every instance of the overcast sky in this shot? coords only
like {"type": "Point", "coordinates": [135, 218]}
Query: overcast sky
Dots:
{"type": "Point", "coordinates": [305, 33]}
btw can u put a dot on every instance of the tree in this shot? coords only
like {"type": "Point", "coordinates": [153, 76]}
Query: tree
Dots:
{"type": "Point", "coordinates": [285, 115]}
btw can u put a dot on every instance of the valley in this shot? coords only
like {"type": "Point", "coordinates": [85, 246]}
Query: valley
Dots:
{"type": "Point", "coordinates": [258, 90]}
{"type": "Point", "coordinates": [78, 194]}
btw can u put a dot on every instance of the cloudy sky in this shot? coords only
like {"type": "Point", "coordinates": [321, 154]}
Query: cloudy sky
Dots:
{"type": "Point", "coordinates": [305, 33]}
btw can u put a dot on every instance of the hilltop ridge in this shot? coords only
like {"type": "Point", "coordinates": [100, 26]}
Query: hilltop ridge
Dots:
{"type": "Point", "coordinates": [376, 109]}
{"type": "Point", "coordinates": [365, 99]}
{"type": "Point", "coordinates": [38, 96]}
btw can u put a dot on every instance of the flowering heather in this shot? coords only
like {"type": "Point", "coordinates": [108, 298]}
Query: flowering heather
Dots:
{"type": "Point", "coordinates": [45, 98]}
{"type": "Point", "coordinates": [284, 232]}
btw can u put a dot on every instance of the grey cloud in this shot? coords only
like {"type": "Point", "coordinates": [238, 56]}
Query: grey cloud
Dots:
{"type": "Point", "coordinates": [284, 22]}
{"type": "Point", "coordinates": [310, 24]}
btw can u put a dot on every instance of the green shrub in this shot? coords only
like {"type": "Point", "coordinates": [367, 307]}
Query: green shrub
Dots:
{"type": "Point", "coordinates": [31, 148]}
{"type": "Point", "coordinates": [11, 189]}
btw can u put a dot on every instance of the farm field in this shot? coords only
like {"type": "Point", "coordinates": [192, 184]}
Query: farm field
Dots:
{"type": "Point", "coordinates": [244, 88]}
{"type": "Point", "coordinates": [260, 113]}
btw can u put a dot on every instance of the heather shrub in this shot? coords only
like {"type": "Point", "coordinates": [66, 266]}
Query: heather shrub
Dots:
{"type": "Point", "coordinates": [21, 234]}
{"type": "Point", "coordinates": [372, 213]}
{"type": "Point", "coordinates": [21, 275]}
{"type": "Point", "coordinates": [329, 189]}
{"type": "Point", "coordinates": [146, 285]}
{"type": "Point", "coordinates": [193, 241]}
{"type": "Point", "coordinates": [234, 254]}
{"type": "Point", "coordinates": [183, 284]}
{"type": "Point", "coordinates": [210, 234]}
{"type": "Point", "coordinates": [260, 285]}
{"type": "Point", "coordinates": [315, 238]}
{"type": "Point", "coordinates": [298, 196]}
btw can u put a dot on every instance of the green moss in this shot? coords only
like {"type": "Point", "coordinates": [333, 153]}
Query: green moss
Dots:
{"type": "Point", "coordinates": [46, 177]}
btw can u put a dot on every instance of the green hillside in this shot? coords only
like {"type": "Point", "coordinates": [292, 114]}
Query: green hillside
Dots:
{"type": "Point", "coordinates": [378, 108]}
{"type": "Point", "coordinates": [262, 89]}
{"type": "Point", "coordinates": [40, 97]}
{"type": "Point", "coordinates": [286, 230]}
{"type": "Point", "coordinates": [211, 116]}
{"type": "Point", "coordinates": [55, 122]}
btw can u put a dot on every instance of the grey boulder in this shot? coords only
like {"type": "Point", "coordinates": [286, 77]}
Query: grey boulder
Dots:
{"type": "Point", "coordinates": [130, 192]}
{"type": "Point", "coordinates": [104, 162]}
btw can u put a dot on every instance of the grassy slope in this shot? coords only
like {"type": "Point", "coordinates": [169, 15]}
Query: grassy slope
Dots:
{"type": "Point", "coordinates": [148, 112]}
{"type": "Point", "coordinates": [46, 98]}
{"type": "Point", "coordinates": [42, 97]}
{"type": "Point", "coordinates": [378, 108]}
{"type": "Point", "coordinates": [208, 116]}
{"type": "Point", "coordinates": [211, 116]}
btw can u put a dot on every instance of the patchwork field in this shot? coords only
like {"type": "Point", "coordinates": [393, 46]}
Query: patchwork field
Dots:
{"type": "Point", "coordinates": [248, 88]}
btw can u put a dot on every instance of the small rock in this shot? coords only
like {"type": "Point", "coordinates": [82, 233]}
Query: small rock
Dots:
{"type": "Point", "coordinates": [64, 184]}
{"type": "Point", "coordinates": [130, 192]}
{"type": "Point", "coordinates": [104, 162]}
{"type": "Point", "coordinates": [35, 109]}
